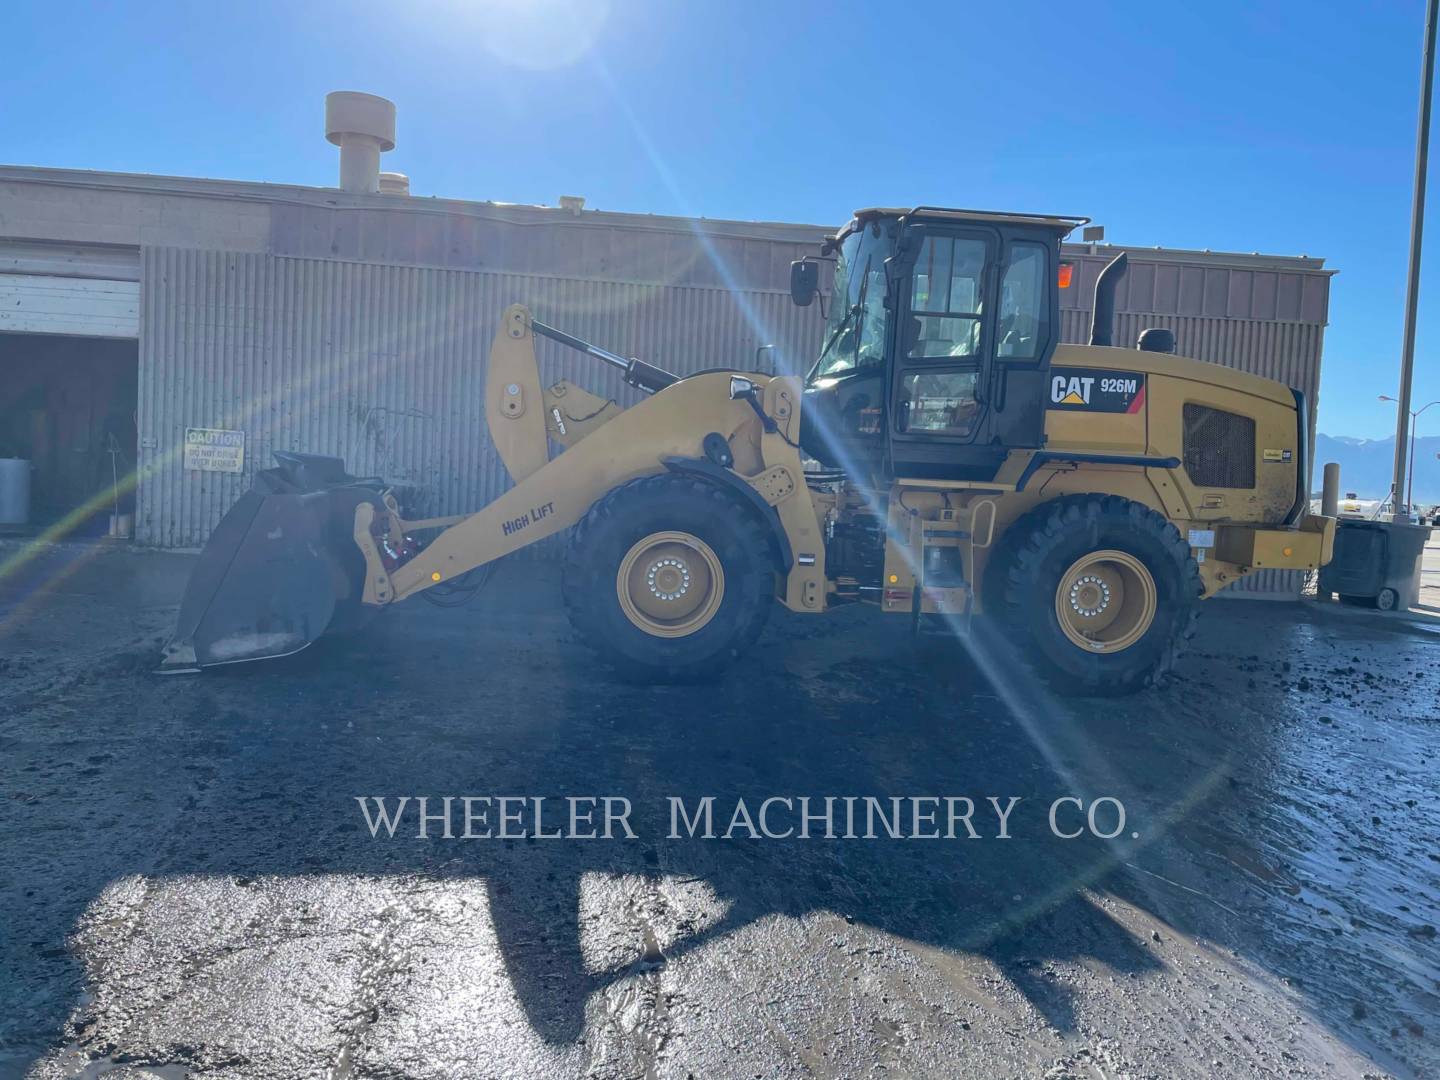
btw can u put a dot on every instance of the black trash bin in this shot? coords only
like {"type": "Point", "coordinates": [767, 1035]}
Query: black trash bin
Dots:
{"type": "Point", "coordinates": [1376, 561]}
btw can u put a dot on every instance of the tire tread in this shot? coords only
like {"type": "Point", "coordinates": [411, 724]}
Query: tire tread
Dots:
{"type": "Point", "coordinates": [1029, 540]}
{"type": "Point", "coordinates": [586, 584]}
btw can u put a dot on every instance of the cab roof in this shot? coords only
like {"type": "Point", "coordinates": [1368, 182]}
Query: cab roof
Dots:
{"type": "Point", "coordinates": [1061, 223]}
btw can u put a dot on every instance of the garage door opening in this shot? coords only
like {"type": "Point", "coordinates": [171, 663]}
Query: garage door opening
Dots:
{"type": "Point", "coordinates": [67, 405]}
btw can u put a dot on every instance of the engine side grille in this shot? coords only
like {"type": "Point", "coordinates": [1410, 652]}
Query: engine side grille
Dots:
{"type": "Point", "coordinates": [1219, 448]}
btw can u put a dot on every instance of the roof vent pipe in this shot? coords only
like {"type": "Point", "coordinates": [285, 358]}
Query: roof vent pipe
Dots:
{"type": "Point", "coordinates": [363, 126]}
{"type": "Point", "coordinates": [394, 183]}
{"type": "Point", "coordinates": [1102, 322]}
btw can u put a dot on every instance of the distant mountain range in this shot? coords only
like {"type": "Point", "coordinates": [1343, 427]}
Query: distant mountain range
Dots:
{"type": "Point", "coordinates": [1366, 466]}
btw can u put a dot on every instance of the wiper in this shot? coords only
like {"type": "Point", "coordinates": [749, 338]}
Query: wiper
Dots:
{"type": "Point", "coordinates": [858, 308]}
{"type": "Point", "coordinates": [835, 334]}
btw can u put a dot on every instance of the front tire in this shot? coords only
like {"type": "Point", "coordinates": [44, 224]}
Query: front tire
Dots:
{"type": "Point", "coordinates": [669, 578]}
{"type": "Point", "coordinates": [1100, 591]}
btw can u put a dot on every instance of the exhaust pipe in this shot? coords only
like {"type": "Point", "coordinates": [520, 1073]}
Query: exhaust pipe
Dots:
{"type": "Point", "coordinates": [1102, 322]}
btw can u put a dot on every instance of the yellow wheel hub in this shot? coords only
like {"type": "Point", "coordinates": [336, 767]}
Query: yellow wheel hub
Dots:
{"type": "Point", "coordinates": [1106, 601]}
{"type": "Point", "coordinates": [670, 584]}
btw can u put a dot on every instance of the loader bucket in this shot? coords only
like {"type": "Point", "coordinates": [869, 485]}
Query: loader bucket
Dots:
{"type": "Point", "coordinates": [279, 570]}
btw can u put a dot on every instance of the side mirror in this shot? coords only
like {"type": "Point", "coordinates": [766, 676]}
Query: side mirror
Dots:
{"type": "Point", "coordinates": [740, 388]}
{"type": "Point", "coordinates": [804, 281]}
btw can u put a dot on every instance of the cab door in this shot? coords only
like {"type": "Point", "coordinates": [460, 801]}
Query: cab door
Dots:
{"type": "Point", "coordinates": [943, 353]}
{"type": "Point", "coordinates": [978, 313]}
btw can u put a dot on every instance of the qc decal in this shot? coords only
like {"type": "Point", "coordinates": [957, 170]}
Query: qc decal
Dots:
{"type": "Point", "coordinates": [1096, 390]}
{"type": "Point", "coordinates": [1282, 456]}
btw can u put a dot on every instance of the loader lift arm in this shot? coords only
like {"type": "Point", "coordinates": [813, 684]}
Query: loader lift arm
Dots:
{"type": "Point", "coordinates": [650, 438]}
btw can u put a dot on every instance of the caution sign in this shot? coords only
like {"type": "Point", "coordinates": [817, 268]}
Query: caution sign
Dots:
{"type": "Point", "coordinates": [1096, 390]}
{"type": "Point", "coordinates": [214, 450]}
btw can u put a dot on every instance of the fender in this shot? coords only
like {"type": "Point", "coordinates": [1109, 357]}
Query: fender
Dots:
{"type": "Point", "coordinates": [731, 481]}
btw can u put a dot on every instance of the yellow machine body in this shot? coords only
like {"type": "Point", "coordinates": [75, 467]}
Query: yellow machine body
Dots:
{"type": "Point", "coordinates": [1234, 531]}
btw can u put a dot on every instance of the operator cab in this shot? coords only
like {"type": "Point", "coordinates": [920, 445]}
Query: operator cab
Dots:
{"type": "Point", "coordinates": [937, 341]}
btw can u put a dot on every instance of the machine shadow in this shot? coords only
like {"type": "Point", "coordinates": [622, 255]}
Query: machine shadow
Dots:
{"type": "Point", "coordinates": [271, 759]}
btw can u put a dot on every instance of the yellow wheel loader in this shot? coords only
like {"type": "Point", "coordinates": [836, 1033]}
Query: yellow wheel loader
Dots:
{"type": "Point", "coordinates": [945, 456]}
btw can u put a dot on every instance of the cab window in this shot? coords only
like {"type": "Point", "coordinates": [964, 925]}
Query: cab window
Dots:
{"type": "Point", "coordinates": [856, 326]}
{"type": "Point", "coordinates": [946, 299]}
{"type": "Point", "coordinates": [1024, 326]}
{"type": "Point", "coordinates": [939, 402]}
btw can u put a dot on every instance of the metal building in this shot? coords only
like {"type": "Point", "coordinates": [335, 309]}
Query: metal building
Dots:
{"type": "Point", "coordinates": [355, 325]}
{"type": "Point", "coordinates": [137, 312]}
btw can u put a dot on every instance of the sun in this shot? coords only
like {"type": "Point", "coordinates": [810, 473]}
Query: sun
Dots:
{"type": "Point", "coordinates": [541, 34]}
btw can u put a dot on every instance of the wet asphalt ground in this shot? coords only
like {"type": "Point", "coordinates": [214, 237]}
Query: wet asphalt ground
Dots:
{"type": "Point", "coordinates": [189, 888]}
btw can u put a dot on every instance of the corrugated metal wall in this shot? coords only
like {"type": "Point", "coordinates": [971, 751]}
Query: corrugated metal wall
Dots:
{"type": "Point", "coordinates": [541, 240]}
{"type": "Point", "coordinates": [384, 366]}
{"type": "Point", "coordinates": [1268, 322]}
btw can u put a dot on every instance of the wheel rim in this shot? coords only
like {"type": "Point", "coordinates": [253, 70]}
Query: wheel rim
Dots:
{"type": "Point", "coordinates": [670, 584]}
{"type": "Point", "coordinates": [1106, 601]}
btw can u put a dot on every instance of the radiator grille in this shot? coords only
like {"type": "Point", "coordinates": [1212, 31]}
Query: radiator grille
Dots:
{"type": "Point", "coordinates": [1219, 448]}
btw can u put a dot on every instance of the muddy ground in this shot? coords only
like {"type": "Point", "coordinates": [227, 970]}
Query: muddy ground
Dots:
{"type": "Point", "coordinates": [188, 887]}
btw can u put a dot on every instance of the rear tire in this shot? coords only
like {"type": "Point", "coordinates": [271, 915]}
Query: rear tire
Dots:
{"type": "Point", "coordinates": [669, 578]}
{"type": "Point", "coordinates": [1100, 591]}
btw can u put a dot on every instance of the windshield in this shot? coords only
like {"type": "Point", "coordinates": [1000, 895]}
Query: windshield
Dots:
{"type": "Point", "coordinates": [855, 326]}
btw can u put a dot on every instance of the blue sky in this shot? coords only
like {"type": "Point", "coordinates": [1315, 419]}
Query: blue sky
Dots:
{"type": "Point", "coordinates": [1285, 128]}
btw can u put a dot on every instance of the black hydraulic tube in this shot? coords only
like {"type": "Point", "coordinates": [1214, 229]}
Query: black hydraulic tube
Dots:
{"type": "Point", "coordinates": [581, 346]}
{"type": "Point", "coordinates": [638, 373]}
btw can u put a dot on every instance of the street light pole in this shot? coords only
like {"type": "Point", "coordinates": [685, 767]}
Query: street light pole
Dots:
{"type": "Point", "coordinates": [1410, 478]}
{"type": "Point", "coordinates": [1417, 226]}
